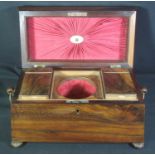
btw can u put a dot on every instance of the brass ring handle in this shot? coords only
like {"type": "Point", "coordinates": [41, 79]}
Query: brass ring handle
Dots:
{"type": "Point", "coordinates": [144, 91]}
{"type": "Point", "coordinates": [10, 91]}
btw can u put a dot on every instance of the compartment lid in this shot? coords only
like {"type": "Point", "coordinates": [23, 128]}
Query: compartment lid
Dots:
{"type": "Point", "coordinates": [77, 36]}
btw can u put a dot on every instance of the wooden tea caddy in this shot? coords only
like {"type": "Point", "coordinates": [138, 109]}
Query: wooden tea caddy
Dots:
{"type": "Point", "coordinates": [76, 99]}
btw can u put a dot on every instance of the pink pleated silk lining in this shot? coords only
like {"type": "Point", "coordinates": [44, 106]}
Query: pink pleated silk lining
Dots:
{"type": "Point", "coordinates": [103, 38]}
{"type": "Point", "coordinates": [76, 89]}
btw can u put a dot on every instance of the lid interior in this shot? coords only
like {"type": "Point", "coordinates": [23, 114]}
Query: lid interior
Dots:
{"type": "Point", "coordinates": [76, 38]}
{"type": "Point", "coordinates": [83, 38]}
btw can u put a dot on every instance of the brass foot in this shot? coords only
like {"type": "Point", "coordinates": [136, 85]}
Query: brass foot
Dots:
{"type": "Point", "coordinates": [138, 145]}
{"type": "Point", "coordinates": [16, 144]}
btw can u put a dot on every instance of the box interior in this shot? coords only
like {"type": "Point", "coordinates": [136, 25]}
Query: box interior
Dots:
{"type": "Point", "coordinates": [79, 84]}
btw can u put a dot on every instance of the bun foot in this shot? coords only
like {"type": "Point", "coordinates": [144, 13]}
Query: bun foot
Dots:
{"type": "Point", "coordinates": [138, 145]}
{"type": "Point", "coordinates": [16, 144]}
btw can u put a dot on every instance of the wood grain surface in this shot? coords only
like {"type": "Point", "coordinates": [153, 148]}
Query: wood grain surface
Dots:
{"type": "Point", "coordinates": [119, 86]}
{"type": "Point", "coordinates": [119, 83]}
{"type": "Point", "coordinates": [45, 122]}
{"type": "Point", "coordinates": [39, 70]}
{"type": "Point", "coordinates": [35, 85]}
{"type": "Point", "coordinates": [115, 70]}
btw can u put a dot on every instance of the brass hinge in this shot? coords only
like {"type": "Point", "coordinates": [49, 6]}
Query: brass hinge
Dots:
{"type": "Point", "coordinates": [77, 101]}
{"type": "Point", "coordinates": [115, 66]}
{"type": "Point", "coordinates": [39, 65]}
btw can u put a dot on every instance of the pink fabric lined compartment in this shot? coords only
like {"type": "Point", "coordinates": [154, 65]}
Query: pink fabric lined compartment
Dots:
{"type": "Point", "coordinates": [99, 38]}
{"type": "Point", "coordinates": [76, 89]}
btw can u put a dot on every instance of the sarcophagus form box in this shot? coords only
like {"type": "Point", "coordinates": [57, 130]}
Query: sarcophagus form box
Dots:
{"type": "Point", "coordinates": [77, 83]}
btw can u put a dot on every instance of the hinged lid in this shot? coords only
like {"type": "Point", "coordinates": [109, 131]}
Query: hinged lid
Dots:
{"type": "Point", "coordinates": [77, 36]}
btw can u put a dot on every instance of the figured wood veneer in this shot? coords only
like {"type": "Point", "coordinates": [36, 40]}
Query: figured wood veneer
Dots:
{"type": "Point", "coordinates": [38, 70]}
{"type": "Point", "coordinates": [113, 84]}
{"type": "Point", "coordinates": [54, 122]}
{"type": "Point", "coordinates": [115, 70]}
{"type": "Point", "coordinates": [35, 85]}
{"type": "Point", "coordinates": [119, 86]}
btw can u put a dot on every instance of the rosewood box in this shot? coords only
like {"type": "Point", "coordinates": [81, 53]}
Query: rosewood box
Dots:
{"type": "Point", "coordinates": [77, 83]}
